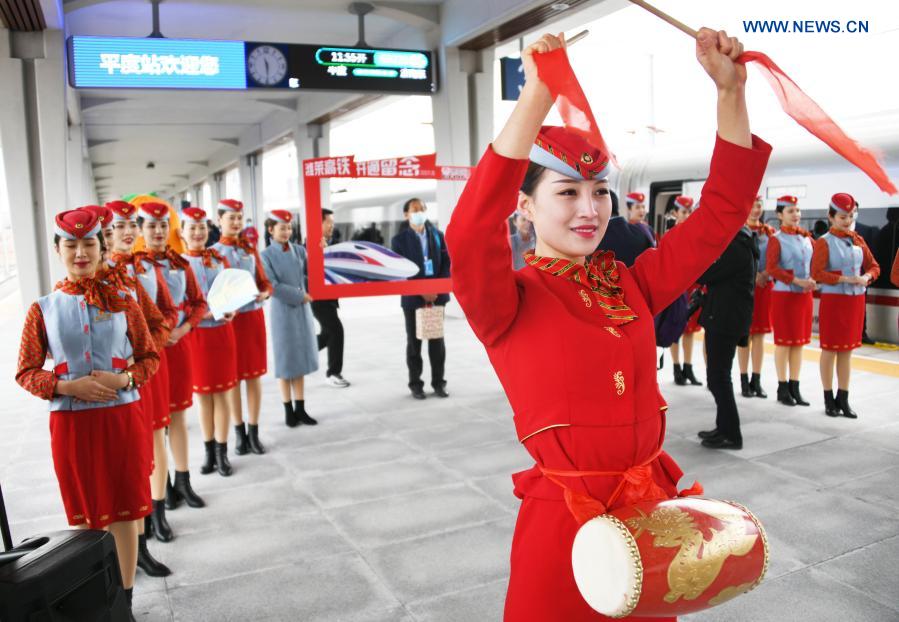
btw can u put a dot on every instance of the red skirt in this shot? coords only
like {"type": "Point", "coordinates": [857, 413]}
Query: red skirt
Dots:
{"type": "Point", "coordinates": [214, 357]}
{"type": "Point", "coordinates": [180, 382]}
{"type": "Point", "coordinates": [761, 310]}
{"type": "Point", "coordinates": [791, 315]}
{"type": "Point", "coordinates": [249, 334]}
{"type": "Point", "coordinates": [101, 459]}
{"type": "Point", "coordinates": [841, 320]}
{"type": "Point", "coordinates": [155, 395]}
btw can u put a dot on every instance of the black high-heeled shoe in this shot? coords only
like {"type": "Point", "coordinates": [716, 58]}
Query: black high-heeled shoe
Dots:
{"type": "Point", "coordinates": [794, 391]}
{"type": "Point", "coordinates": [783, 394]}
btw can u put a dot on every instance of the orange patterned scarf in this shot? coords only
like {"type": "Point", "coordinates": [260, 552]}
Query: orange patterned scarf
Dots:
{"type": "Point", "coordinates": [97, 292]}
{"type": "Point", "coordinates": [600, 275]}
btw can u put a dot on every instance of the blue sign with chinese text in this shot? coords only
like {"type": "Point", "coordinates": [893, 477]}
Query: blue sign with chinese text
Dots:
{"type": "Point", "coordinates": [125, 62]}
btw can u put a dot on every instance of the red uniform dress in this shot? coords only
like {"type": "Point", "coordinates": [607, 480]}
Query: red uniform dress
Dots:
{"type": "Point", "coordinates": [213, 346]}
{"type": "Point", "coordinates": [191, 306]}
{"type": "Point", "coordinates": [841, 317]}
{"type": "Point", "coordinates": [159, 329]}
{"type": "Point", "coordinates": [791, 311]}
{"type": "Point", "coordinates": [100, 455]}
{"type": "Point", "coordinates": [156, 390]}
{"type": "Point", "coordinates": [761, 302]}
{"type": "Point", "coordinates": [249, 323]}
{"type": "Point", "coordinates": [578, 368]}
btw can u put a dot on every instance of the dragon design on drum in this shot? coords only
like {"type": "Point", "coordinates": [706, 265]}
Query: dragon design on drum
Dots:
{"type": "Point", "coordinates": [699, 561]}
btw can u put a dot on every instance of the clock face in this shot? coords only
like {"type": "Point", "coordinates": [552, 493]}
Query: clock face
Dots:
{"type": "Point", "coordinates": [267, 65]}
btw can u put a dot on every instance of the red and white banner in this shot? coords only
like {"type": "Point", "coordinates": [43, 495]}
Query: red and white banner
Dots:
{"type": "Point", "coordinates": [406, 167]}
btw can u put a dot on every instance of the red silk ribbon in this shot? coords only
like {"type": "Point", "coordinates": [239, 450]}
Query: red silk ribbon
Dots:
{"type": "Point", "coordinates": [812, 117]}
{"type": "Point", "coordinates": [636, 485]}
{"type": "Point", "coordinates": [555, 71]}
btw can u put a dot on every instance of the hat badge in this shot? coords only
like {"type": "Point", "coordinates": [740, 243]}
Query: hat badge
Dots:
{"type": "Point", "coordinates": [586, 158]}
{"type": "Point", "coordinates": [79, 225]}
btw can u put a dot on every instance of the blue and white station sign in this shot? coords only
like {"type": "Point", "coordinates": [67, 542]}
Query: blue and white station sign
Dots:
{"type": "Point", "coordinates": [124, 62]}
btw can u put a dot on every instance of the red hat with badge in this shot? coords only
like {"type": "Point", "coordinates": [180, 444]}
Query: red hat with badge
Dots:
{"type": "Point", "coordinates": [684, 202]}
{"type": "Point", "coordinates": [122, 211]}
{"type": "Point", "coordinates": [78, 224]}
{"type": "Point", "coordinates": [567, 153]}
{"type": "Point", "coordinates": [843, 202]}
{"type": "Point", "coordinates": [104, 214]}
{"type": "Point", "coordinates": [194, 214]}
{"type": "Point", "coordinates": [231, 205]}
{"type": "Point", "coordinates": [154, 211]}
{"type": "Point", "coordinates": [281, 215]}
{"type": "Point", "coordinates": [786, 200]}
{"type": "Point", "coordinates": [635, 197]}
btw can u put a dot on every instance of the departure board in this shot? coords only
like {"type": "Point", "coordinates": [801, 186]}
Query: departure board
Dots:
{"type": "Point", "coordinates": [129, 62]}
{"type": "Point", "coordinates": [333, 68]}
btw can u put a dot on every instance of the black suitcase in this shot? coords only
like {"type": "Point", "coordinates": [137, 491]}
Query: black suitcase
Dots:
{"type": "Point", "coordinates": [63, 576]}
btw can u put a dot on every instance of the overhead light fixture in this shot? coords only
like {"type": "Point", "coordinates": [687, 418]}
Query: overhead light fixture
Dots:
{"type": "Point", "coordinates": [560, 6]}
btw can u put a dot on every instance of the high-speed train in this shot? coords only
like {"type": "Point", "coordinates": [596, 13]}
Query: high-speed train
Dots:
{"type": "Point", "coordinates": [802, 168]}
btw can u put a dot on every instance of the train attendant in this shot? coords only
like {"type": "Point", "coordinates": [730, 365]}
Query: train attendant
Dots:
{"type": "Point", "coordinates": [571, 335]}
{"type": "Point", "coordinates": [104, 215]}
{"type": "Point", "coordinates": [153, 219]}
{"type": "Point", "coordinates": [761, 309]}
{"type": "Point", "coordinates": [788, 261]}
{"type": "Point", "coordinates": [213, 349]}
{"type": "Point", "coordinates": [249, 326]}
{"type": "Point", "coordinates": [98, 434]}
{"type": "Point", "coordinates": [844, 267]}
{"type": "Point", "coordinates": [154, 394]}
{"type": "Point", "coordinates": [293, 326]}
{"type": "Point", "coordinates": [636, 213]}
{"type": "Point", "coordinates": [683, 375]}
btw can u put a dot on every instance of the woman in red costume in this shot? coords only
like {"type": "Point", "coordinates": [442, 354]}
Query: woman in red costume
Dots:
{"type": "Point", "coordinates": [590, 401]}
{"type": "Point", "coordinates": [98, 432]}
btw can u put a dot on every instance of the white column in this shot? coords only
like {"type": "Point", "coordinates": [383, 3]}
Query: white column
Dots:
{"type": "Point", "coordinates": [463, 116]}
{"type": "Point", "coordinates": [33, 117]}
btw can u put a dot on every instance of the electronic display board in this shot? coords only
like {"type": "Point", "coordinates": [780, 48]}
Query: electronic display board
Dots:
{"type": "Point", "coordinates": [125, 62]}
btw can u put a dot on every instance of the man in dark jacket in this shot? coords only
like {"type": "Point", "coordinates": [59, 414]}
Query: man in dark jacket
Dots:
{"type": "Point", "coordinates": [726, 316]}
{"type": "Point", "coordinates": [423, 243]}
{"type": "Point", "coordinates": [326, 312]}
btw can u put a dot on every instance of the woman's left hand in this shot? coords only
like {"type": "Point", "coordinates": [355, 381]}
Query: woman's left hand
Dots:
{"type": "Point", "coordinates": [717, 53]}
{"type": "Point", "coordinates": [111, 380]}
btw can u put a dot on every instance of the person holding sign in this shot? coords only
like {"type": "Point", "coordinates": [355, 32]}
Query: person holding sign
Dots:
{"type": "Point", "coordinates": [571, 335]}
{"type": "Point", "coordinates": [249, 326]}
{"type": "Point", "coordinates": [293, 326]}
{"type": "Point", "coordinates": [423, 244]}
{"type": "Point", "coordinates": [213, 351]}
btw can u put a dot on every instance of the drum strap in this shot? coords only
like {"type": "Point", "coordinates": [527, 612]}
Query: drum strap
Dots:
{"type": "Point", "coordinates": [636, 485]}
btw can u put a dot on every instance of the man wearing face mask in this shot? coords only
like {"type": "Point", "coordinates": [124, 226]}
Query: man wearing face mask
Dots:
{"type": "Point", "coordinates": [423, 243]}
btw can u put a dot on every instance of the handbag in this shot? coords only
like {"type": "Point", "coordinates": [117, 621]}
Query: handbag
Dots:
{"type": "Point", "coordinates": [429, 322]}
